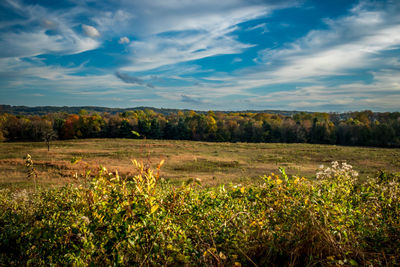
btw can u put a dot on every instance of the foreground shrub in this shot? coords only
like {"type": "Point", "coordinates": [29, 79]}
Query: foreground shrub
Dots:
{"type": "Point", "coordinates": [142, 220]}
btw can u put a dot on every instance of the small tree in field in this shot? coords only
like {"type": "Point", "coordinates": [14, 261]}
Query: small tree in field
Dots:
{"type": "Point", "coordinates": [48, 136]}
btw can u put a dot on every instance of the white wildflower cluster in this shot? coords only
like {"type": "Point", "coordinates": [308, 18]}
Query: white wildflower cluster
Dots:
{"type": "Point", "coordinates": [20, 196]}
{"type": "Point", "coordinates": [336, 170]}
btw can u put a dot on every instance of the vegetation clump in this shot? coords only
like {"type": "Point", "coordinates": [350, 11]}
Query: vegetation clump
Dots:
{"type": "Point", "coordinates": [143, 220]}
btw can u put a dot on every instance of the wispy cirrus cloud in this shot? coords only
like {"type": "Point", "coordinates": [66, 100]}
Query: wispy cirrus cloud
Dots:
{"type": "Point", "coordinates": [261, 26]}
{"type": "Point", "coordinates": [360, 42]}
{"type": "Point", "coordinates": [172, 33]}
{"type": "Point", "coordinates": [43, 31]}
{"type": "Point", "coordinates": [354, 41]}
{"type": "Point", "coordinates": [208, 54]}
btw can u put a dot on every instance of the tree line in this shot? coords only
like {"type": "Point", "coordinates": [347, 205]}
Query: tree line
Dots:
{"type": "Point", "coordinates": [364, 128]}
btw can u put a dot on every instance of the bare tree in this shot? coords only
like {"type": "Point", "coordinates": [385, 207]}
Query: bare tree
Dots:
{"type": "Point", "coordinates": [48, 136]}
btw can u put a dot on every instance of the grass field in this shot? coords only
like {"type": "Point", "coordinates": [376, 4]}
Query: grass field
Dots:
{"type": "Point", "coordinates": [213, 163]}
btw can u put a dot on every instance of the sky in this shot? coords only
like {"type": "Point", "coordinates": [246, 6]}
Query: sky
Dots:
{"type": "Point", "coordinates": [310, 55]}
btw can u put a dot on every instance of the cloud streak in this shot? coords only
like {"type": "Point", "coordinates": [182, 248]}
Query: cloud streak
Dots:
{"type": "Point", "coordinates": [191, 31]}
{"type": "Point", "coordinates": [33, 37]}
{"type": "Point", "coordinates": [191, 100]}
{"type": "Point", "coordinates": [352, 42]}
{"type": "Point", "coordinates": [261, 26]}
{"type": "Point", "coordinates": [132, 79]}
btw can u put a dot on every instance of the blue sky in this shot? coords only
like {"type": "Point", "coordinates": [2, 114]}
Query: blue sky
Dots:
{"type": "Point", "coordinates": [337, 55]}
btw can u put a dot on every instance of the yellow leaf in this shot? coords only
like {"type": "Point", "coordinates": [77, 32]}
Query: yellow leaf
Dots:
{"type": "Point", "coordinates": [222, 256]}
{"type": "Point", "coordinates": [154, 208]}
{"type": "Point", "coordinates": [278, 181]}
{"type": "Point", "coordinates": [134, 162]}
{"type": "Point", "coordinates": [237, 264]}
{"type": "Point", "coordinates": [242, 190]}
{"type": "Point", "coordinates": [161, 163]}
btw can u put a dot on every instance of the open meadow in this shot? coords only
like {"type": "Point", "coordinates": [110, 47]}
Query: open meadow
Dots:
{"type": "Point", "coordinates": [213, 163]}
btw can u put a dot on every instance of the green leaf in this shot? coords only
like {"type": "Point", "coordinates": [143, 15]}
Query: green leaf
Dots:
{"type": "Point", "coordinates": [353, 262]}
{"type": "Point", "coordinates": [135, 133]}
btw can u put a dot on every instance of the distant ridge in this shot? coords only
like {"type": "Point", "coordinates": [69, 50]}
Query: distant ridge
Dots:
{"type": "Point", "coordinates": [43, 110]}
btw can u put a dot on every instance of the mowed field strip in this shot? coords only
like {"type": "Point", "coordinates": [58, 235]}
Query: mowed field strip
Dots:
{"type": "Point", "coordinates": [213, 163]}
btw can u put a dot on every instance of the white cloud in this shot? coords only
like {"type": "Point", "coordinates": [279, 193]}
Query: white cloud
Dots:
{"type": "Point", "coordinates": [261, 26]}
{"type": "Point", "coordinates": [26, 44]}
{"type": "Point", "coordinates": [380, 95]}
{"type": "Point", "coordinates": [124, 40]}
{"type": "Point", "coordinates": [356, 42]}
{"type": "Point", "coordinates": [115, 22]}
{"type": "Point", "coordinates": [171, 33]}
{"type": "Point", "coordinates": [90, 31]}
{"type": "Point", "coordinates": [237, 59]}
{"type": "Point", "coordinates": [212, 23]}
{"type": "Point", "coordinates": [17, 74]}
{"type": "Point", "coordinates": [156, 52]}
{"type": "Point", "coordinates": [33, 37]}
{"type": "Point", "coordinates": [351, 42]}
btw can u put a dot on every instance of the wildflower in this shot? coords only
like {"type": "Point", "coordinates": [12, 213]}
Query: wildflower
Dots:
{"type": "Point", "coordinates": [336, 170]}
{"type": "Point", "coordinates": [85, 219]}
{"type": "Point", "coordinates": [21, 196]}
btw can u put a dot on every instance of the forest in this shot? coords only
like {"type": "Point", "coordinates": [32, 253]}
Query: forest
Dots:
{"type": "Point", "coordinates": [364, 128]}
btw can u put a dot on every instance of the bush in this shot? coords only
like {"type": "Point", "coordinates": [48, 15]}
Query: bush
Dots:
{"type": "Point", "coordinates": [142, 220]}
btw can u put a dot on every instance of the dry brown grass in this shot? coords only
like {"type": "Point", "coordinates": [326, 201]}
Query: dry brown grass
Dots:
{"type": "Point", "coordinates": [213, 163]}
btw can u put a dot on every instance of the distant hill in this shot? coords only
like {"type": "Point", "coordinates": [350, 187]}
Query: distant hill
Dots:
{"type": "Point", "coordinates": [42, 110]}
